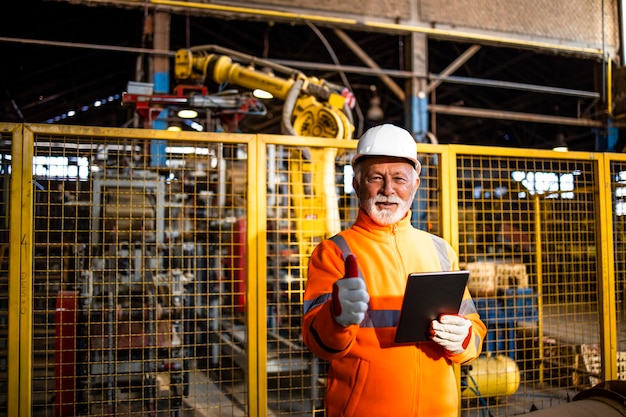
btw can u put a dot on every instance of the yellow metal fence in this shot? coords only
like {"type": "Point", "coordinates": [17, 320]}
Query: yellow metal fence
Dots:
{"type": "Point", "coordinates": [159, 273]}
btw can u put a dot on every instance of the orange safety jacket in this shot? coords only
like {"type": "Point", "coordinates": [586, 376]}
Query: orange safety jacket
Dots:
{"type": "Point", "coordinates": [370, 375]}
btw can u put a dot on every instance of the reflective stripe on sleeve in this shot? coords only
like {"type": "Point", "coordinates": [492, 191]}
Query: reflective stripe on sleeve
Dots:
{"type": "Point", "coordinates": [373, 318]}
{"type": "Point", "coordinates": [442, 251]}
{"type": "Point", "coordinates": [467, 307]}
{"type": "Point", "coordinates": [318, 301]}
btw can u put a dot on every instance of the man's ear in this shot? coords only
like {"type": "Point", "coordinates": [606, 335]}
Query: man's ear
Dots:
{"type": "Point", "coordinates": [418, 168]}
{"type": "Point", "coordinates": [355, 186]}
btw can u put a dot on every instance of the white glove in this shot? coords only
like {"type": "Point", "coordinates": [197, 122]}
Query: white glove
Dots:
{"type": "Point", "coordinates": [350, 300]}
{"type": "Point", "coordinates": [452, 332]}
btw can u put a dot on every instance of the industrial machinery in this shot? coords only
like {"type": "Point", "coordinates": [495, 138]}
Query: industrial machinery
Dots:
{"type": "Point", "coordinates": [312, 106]}
{"type": "Point", "coordinates": [120, 337]}
{"type": "Point", "coordinates": [131, 312]}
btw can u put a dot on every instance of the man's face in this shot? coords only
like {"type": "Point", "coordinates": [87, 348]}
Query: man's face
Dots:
{"type": "Point", "coordinates": [385, 187]}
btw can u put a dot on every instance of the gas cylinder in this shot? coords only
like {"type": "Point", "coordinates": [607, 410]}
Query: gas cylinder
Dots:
{"type": "Point", "coordinates": [490, 376]}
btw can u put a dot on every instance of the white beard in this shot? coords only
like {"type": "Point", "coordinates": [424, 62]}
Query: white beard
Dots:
{"type": "Point", "coordinates": [385, 217]}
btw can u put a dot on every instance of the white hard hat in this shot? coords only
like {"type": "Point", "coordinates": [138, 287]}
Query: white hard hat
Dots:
{"type": "Point", "coordinates": [387, 140]}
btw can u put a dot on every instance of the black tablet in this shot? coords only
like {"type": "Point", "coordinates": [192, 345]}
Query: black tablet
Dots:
{"type": "Point", "coordinates": [426, 297]}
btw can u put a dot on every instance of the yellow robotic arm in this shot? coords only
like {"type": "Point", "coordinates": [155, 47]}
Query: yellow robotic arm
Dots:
{"type": "Point", "coordinates": [313, 107]}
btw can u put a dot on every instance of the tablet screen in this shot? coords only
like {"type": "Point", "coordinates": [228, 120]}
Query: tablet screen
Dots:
{"type": "Point", "coordinates": [426, 297]}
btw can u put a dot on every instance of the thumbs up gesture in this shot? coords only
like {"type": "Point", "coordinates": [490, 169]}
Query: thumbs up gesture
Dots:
{"type": "Point", "coordinates": [350, 296]}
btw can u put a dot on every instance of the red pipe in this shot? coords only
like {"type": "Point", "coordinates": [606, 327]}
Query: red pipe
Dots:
{"type": "Point", "coordinates": [65, 353]}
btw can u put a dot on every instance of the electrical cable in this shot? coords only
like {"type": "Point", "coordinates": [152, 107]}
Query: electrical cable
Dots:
{"type": "Point", "coordinates": [476, 391]}
{"type": "Point", "coordinates": [342, 74]}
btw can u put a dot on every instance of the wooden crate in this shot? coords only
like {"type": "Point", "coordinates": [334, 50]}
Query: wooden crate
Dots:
{"type": "Point", "coordinates": [487, 278]}
{"type": "Point", "coordinates": [511, 276]}
{"type": "Point", "coordinates": [482, 278]}
{"type": "Point", "coordinates": [592, 359]}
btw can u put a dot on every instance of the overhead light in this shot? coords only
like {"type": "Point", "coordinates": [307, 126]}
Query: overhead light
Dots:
{"type": "Point", "coordinates": [174, 128]}
{"type": "Point", "coordinates": [187, 114]}
{"type": "Point", "coordinates": [262, 94]}
{"type": "Point", "coordinates": [559, 143]}
{"type": "Point", "coordinates": [84, 108]}
{"type": "Point", "coordinates": [375, 112]}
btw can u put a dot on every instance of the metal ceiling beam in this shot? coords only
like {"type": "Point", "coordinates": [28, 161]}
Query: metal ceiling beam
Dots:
{"type": "Point", "coordinates": [364, 24]}
{"type": "Point", "coordinates": [509, 115]}
{"type": "Point", "coordinates": [462, 59]}
{"type": "Point", "coordinates": [93, 46]}
{"type": "Point", "coordinates": [515, 86]}
{"type": "Point", "coordinates": [363, 56]}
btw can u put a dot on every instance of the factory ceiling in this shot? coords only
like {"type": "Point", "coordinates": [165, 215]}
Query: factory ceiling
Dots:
{"type": "Point", "coordinates": [61, 56]}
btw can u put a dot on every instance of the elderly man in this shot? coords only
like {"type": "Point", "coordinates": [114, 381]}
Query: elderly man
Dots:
{"type": "Point", "coordinates": [351, 322]}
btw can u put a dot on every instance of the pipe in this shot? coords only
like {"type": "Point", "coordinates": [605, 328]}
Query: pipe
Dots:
{"type": "Point", "coordinates": [606, 399]}
{"type": "Point", "coordinates": [161, 79]}
{"type": "Point", "coordinates": [509, 115]}
{"type": "Point", "coordinates": [512, 85]}
{"type": "Point", "coordinates": [290, 100]}
{"type": "Point", "coordinates": [150, 51]}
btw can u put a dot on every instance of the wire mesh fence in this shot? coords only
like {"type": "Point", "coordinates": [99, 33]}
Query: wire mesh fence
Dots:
{"type": "Point", "coordinates": [174, 286]}
{"type": "Point", "coordinates": [527, 231]}
{"type": "Point", "coordinates": [138, 272]}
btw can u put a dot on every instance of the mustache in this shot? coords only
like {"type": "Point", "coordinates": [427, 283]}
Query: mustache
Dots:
{"type": "Point", "coordinates": [393, 199]}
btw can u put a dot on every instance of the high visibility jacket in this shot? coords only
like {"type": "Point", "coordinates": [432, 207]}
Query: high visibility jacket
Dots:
{"type": "Point", "coordinates": [369, 375]}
